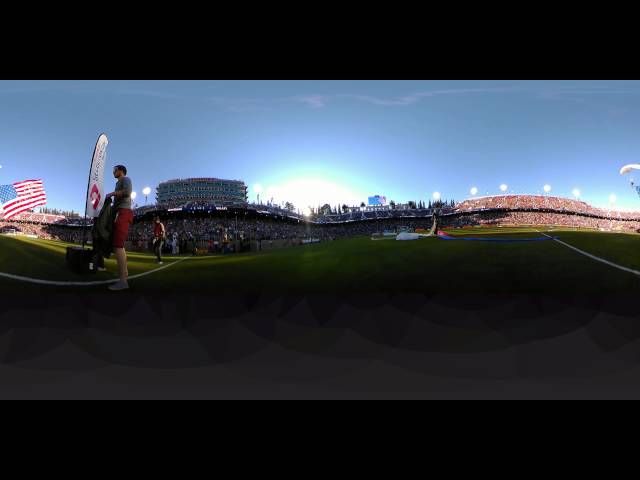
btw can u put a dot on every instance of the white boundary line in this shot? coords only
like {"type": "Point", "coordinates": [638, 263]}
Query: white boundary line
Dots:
{"type": "Point", "coordinates": [130, 253]}
{"type": "Point", "coordinates": [70, 284]}
{"type": "Point", "coordinates": [593, 257]}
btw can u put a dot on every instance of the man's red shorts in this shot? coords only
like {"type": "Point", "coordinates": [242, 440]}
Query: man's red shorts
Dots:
{"type": "Point", "coordinates": [124, 218]}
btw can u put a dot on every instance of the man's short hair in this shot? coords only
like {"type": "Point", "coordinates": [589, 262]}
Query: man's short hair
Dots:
{"type": "Point", "coordinates": [121, 167]}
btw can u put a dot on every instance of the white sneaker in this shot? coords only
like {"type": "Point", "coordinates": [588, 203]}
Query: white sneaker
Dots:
{"type": "Point", "coordinates": [119, 286]}
{"type": "Point", "coordinates": [160, 263]}
{"type": "Point", "coordinates": [102, 269]}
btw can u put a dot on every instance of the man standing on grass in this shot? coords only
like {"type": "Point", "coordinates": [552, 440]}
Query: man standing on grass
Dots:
{"type": "Point", "coordinates": [158, 238]}
{"type": "Point", "coordinates": [122, 222]}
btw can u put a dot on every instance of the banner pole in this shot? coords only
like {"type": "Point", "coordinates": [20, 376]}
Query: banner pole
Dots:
{"type": "Point", "coordinates": [84, 226]}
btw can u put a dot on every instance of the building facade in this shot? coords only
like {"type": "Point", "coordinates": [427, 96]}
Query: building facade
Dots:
{"type": "Point", "coordinates": [215, 191]}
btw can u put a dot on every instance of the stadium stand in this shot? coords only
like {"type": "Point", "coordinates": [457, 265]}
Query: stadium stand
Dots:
{"type": "Point", "coordinates": [539, 202]}
{"type": "Point", "coordinates": [213, 228]}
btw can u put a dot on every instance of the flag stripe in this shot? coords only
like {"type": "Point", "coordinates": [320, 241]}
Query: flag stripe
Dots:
{"type": "Point", "coordinates": [24, 205]}
{"type": "Point", "coordinates": [27, 181]}
{"type": "Point", "coordinates": [10, 205]}
{"type": "Point", "coordinates": [21, 200]}
{"type": "Point", "coordinates": [32, 201]}
{"type": "Point", "coordinates": [30, 192]}
{"type": "Point", "coordinates": [24, 182]}
{"type": "Point", "coordinates": [26, 185]}
{"type": "Point", "coordinates": [29, 188]}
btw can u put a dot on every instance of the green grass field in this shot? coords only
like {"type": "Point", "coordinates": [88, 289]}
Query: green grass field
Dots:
{"type": "Point", "coordinates": [361, 265]}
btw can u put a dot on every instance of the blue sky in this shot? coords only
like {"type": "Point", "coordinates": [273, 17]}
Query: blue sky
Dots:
{"type": "Point", "coordinates": [304, 141]}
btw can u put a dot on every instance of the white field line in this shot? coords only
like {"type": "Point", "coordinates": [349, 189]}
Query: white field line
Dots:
{"type": "Point", "coordinates": [593, 257]}
{"type": "Point", "coordinates": [75, 284]}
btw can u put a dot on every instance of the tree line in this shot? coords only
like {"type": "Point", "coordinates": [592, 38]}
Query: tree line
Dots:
{"type": "Point", "coordinates": [327, 209]}
{"type": "Point", "coordinates": [55, 211]}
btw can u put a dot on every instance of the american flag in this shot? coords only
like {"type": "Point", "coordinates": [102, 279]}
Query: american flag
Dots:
{"type": "Point", "coordinates": [21, 197]}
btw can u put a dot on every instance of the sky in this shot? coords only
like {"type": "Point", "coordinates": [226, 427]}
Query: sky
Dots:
{"type": "Point", "coordinates": [315, 142]}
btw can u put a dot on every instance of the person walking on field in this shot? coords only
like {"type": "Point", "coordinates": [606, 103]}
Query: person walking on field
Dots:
{"type": "Point", "coordinates": [158, 238]}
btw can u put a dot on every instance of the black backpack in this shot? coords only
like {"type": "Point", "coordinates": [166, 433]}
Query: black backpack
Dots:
{"type": "Point", "coordinates": [80, 260]}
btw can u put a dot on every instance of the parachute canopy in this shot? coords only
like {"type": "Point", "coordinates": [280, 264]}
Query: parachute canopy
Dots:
{"type": "Point", "coordinates": [412, 236]}
{"type": "Point", "coordinates": [628, 168]}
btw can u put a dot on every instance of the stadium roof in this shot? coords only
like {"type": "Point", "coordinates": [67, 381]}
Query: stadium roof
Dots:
{"type": "Point", "coordinates": [205, 179]}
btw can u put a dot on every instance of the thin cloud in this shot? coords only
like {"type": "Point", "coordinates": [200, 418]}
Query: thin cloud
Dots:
{"type": "Point", "coordinates": [313, 101]}
{"type": "Point", "coordinates": [316, 101]}
{"type": "Point", "coordinates": [545, 92]}
{"type": "Point", "coordinates": [319, 101]}
{"type": "Point", "coordinates": [418, 96]}
{"type": "Point", "coordinates": [241, 104]}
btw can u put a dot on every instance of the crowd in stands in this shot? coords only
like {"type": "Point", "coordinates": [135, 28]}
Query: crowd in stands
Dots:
{"type": "Point", "coordinates": [39, 217]}
{"type": "Point", "coordinates": [276, 210]}
{"type": "Point", "coordinates": [216, 228]}
{"type": "Point", "coordinates": [22, 228]}
{"type": "Point", "coordinates": [43, 230]}
{"type": "Point", "coordinates": [380, 214]}
{"type": "Point", "coordinates": [222, 229]}
{"type": "Point", "coordinates": [540, 219]}
{"type": "Point", "coordinates": [269, 208]}
{"type": "Point", "coordinates": [195, 204]}
{"type": "Point", "coordinates": [275, 224]}
{"type": "Point", "coordinates": [540, 202]}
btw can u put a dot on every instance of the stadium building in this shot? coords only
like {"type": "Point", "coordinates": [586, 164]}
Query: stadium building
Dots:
{"type": "Point", "coordinates": [214, 191]}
